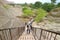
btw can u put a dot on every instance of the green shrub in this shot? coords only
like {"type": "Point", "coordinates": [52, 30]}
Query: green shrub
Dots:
{"type": "Point", "coordinates": [27, 12]}
{"type": "Point", "coordinates": [6, 6]}
{"type": "Point", "coordinates": [40, 15]}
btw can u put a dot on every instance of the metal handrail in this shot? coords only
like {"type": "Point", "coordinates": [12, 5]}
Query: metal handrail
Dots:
{"type": "Point", "coordinates": [49, 31]}
{"type": "Point", "coordinates": [41, 33]}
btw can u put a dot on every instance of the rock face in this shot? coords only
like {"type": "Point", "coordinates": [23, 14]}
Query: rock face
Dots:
{"type": "Point", "coordinates": [2, 2]}
{"type": "Point", "coordinates": [14, 11]}
{"type": "Point", "coordinates": [47, 25]}
{"type": "Point", "coordinates": [7, 18]}
{"type": "Point", "coordinates": [55, 15]}
{"type": "Point", "coordinates": [2, 10]}
{"type": "Point", "coordinates": [56, 12]}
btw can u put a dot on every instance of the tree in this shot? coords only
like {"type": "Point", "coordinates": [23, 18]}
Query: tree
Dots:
{"type": "Point", "coordinates": [25, 4]}
{"type": "Point", "coordinates": [58, 5]}
{"type": "Point", "coordinates": [53, 1]}
{"type": "Point", "coordinates": [40, 15]}
{"type": "Point", "coordinates": [31, 6]}
{"type": "Point", "coordinates": [48, 6]}
{"type": "Point", "coordinates": [38, 4]}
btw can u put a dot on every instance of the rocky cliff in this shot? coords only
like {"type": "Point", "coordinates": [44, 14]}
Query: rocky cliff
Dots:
{"type": "Point", "coordinates": [8, 16]}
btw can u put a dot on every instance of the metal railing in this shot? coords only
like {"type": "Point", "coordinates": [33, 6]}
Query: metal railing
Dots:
{"type": "Point", "coordinates": [43, 34]}
{"type": "Point", "coordinates": [11, 33]}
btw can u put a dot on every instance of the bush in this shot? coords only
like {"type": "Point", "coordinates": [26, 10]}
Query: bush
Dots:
{"type": "Point", "coordinates": [58, 5]}
{"type": "Point", "coordinates": [40, 15]}
{"type": "Point", "coordinates": [27, 12]}
{"type": "Point", "coordinates": [48, 6]}
{"type": "Point", "coordinates": [6, 6]}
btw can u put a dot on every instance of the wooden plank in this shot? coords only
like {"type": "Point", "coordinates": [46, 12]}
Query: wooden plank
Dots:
{"type": "Point", "coordinates": [11, 34]}
{"type": "Point", "coordinates": [53, 36]}
{"type": "Point", "coordinates": [14, 34]}
{"type": "Point", "coordinates": [47, 35]}
{"type": "Point", "coordinates": [21, 30]}
{"type": "Point", "coordinates": [34, 30]}
{"type": "Point", "coordinates": [2, 37]}
{"type": "Point", "coordinates": [44, 35]}
{"type": "Point", "coordinates": [58, 37]}
{"type": "Point", "coordinates": [38, 33]}
{"type": "Point", "coordinates": [7, 34]}
{"type": "Point", "coordinates": [26, 37]}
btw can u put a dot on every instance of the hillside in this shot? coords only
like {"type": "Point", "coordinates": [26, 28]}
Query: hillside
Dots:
{"type": "Point", "coordinates": [8, 16]}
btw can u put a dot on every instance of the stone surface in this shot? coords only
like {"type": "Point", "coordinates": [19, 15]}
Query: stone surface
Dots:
{"type": "Point", "coordinates": [52, 26]}
{"type": "Point", "coordinates": [8, 17]}
{"type": "Point", "coordinates": [55, 12]}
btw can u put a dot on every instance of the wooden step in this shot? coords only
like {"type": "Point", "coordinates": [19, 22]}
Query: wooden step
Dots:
{"type": "Point", "coordinates": [25, 36]}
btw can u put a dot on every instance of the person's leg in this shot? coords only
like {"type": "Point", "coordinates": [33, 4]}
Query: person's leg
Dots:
{"type": "Point", "coordinates": [29, 31]}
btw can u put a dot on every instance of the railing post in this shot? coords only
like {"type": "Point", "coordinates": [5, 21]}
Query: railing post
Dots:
{"type": "Point", "coordinates": [34, 33]}
{"type": "Point", "coordinates": [10, 33]}
{"type": "Point", "coordinates": [0, 37]}
{"type": "Point", "coordinates": [55, 37]}
{"type": "Point", "coordinates": [50, 36]}
{"type": "Point", "coordinates": [47, 35]}
{"type": "Point", "coordinates": [41, 34]}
